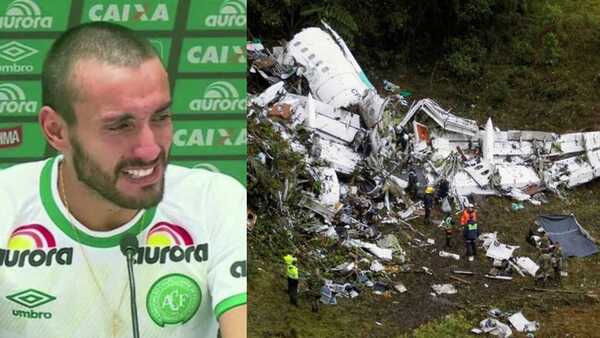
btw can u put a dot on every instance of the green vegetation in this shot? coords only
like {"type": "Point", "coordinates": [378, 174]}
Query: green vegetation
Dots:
{"type": "Point", "coordinates": [454, 325]}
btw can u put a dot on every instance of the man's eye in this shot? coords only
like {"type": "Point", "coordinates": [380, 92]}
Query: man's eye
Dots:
{"type": "Point", "coordinates": [162, 117]}
{"type": "Point", "coordinates": [119, 126]}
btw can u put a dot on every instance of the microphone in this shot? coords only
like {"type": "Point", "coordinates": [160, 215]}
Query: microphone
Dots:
{"type": "Point", "coordinates": [129, 247]}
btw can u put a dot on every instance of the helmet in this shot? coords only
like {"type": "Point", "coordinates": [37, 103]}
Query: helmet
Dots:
{"type": "Point", "coordinates": [429, 189]}
{"type": "Point", "coordinates": [289, 259]}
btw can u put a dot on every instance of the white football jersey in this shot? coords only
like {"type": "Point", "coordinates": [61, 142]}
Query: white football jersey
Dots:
{"type": "Point", "coordinates": [60, 279]}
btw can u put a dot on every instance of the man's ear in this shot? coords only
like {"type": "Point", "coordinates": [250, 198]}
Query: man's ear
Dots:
{"type": "Point", "coordinates": [54, 128]}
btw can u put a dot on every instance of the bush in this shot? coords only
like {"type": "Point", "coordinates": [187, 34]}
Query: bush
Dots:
{"type": "Point", "coordinates": [550, 50]}
{"type": "Point", "coordinates": [466, 59]}
{"type": "Point", "coordinates": [452, 326]}
{"type": "Point", "coordinates": [500, 91]}
{"type": "Point", "coordinates": [523, 53]}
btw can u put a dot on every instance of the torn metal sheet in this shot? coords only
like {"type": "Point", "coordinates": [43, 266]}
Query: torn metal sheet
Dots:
{"type": "Point", "coordinates": [330, 187]}
{"type": "Point", "coordinates": [507, 177]}
{"type": "Point", "coordinates": [449, 255]}
{"type": "Point", "coordinates": [495, 327]}
{"type": "Point", "coordinates": [480, 173]}
{"type": "Point", "coordinates": [519, 322]}
{"type": "Point", "coordinates": [391, 242]}
{"type": "Point", "coordinates": [400, 288]}
{"type": "Point", "coordinates": [270, 94]}
{"type": "Point", "coordinates": [442, 117]}
{"type": "Point", "coordinates": [376, 266]}
{"type": "Point", "coordinates": [331, 121]}
{"type": "Point", "coordinates": [341, 158]}
{"type": "Point", "coordinates": [500, 251]}
{"type": "Point", "coordinates": [310, 202]}
{"type": "Point", "coordinates": [344, 268]}
{"type": "Point", "coordinates": [440, 289]}
{"type": "Point", "coordinates": [382, 253]}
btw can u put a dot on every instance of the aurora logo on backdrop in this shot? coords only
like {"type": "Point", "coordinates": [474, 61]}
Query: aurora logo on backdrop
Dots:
{"type": "Point", "coordinates": [24, 14]}
{"type": "Point", "coordinates": [209, 137]}
{"type": "Point", "coordinates": [128, 12]}
{"type": "Point", "coordinates": [13, 100]}
{"type": "Point", "coordinates": [220, 97]}
{"type": "Point", "coordinates": [231, 13]}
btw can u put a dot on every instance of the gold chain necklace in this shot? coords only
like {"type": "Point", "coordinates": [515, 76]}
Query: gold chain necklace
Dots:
{"type": "Point", "coordinates": [117, 323]}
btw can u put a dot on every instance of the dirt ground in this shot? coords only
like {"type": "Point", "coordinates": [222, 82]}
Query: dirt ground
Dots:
{"type": "Point", "coordinates": [562, 311]}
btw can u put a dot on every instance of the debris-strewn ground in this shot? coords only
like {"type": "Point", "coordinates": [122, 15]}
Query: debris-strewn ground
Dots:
{"type": "Point", "coordinates": [559, 313]}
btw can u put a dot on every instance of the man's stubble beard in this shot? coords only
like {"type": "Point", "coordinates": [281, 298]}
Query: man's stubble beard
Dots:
{"type": "Point", "coordinates": [91, 174]}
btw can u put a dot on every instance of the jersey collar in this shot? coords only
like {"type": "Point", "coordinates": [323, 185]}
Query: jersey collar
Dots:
{"type": "Point", "coordinates": [57, 213]}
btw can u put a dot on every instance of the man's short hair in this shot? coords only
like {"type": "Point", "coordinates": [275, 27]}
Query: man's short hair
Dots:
{"type": "Point", "coordinates": [102, 41]}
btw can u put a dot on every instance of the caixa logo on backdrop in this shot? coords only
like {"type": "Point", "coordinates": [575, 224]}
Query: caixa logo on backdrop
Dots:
{"type": "Point", "coordinates": [155, 15]}
{"type": "Point", "coordinates": [224, 54]}
{"type": "Point", "coordinates": [218, 15]}
{"type": "Point", "coordinates": [208, 137]}
{"type": "Point", "coordinates": [34, 15]}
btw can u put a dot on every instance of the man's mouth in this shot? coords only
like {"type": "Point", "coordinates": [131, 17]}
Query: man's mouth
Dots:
{"type": "Point", "coordinates": [139, 173]}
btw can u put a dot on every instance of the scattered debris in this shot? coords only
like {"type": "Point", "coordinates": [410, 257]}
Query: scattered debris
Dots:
{"type": "Point", "coordinates": [444, 289]}
{"type": "Point", "coordinates": [493, 327]}
{"type": "Point", "coordinates": [449, 254]}
{"type": "Point", "coordinates": [400, 288]}
{"type": "Point", "coordinates": [252, 217]}
{"type": "Point", "coordinates": [521, 324]}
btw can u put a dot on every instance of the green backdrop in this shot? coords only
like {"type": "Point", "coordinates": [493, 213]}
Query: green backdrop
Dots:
{"type": "Point", "coordinates": [201, 42]}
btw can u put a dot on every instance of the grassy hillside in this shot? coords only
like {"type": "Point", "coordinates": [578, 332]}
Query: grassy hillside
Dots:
{"type": "Point", "coordinates": [547, 77]}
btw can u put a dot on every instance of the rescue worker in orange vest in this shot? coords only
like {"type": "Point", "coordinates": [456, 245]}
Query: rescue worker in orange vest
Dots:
{"type": "Point", "coordinates": [468, 220]}
{"type": "Point", "coordinates": [468, 214]}
{"type": "Point", "coordinates": [292, 278]}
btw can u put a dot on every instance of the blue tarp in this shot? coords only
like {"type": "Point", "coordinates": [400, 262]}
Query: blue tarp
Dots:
{"type": "Point", "coordinates": [565, 229]}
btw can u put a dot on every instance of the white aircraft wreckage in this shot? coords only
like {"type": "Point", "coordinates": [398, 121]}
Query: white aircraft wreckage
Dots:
{"type": "Point", "coordinates": [315, 83]}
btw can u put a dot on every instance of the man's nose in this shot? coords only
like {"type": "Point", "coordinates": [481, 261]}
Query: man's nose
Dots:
{"type": "Point", "coordinates": [146, 149]}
